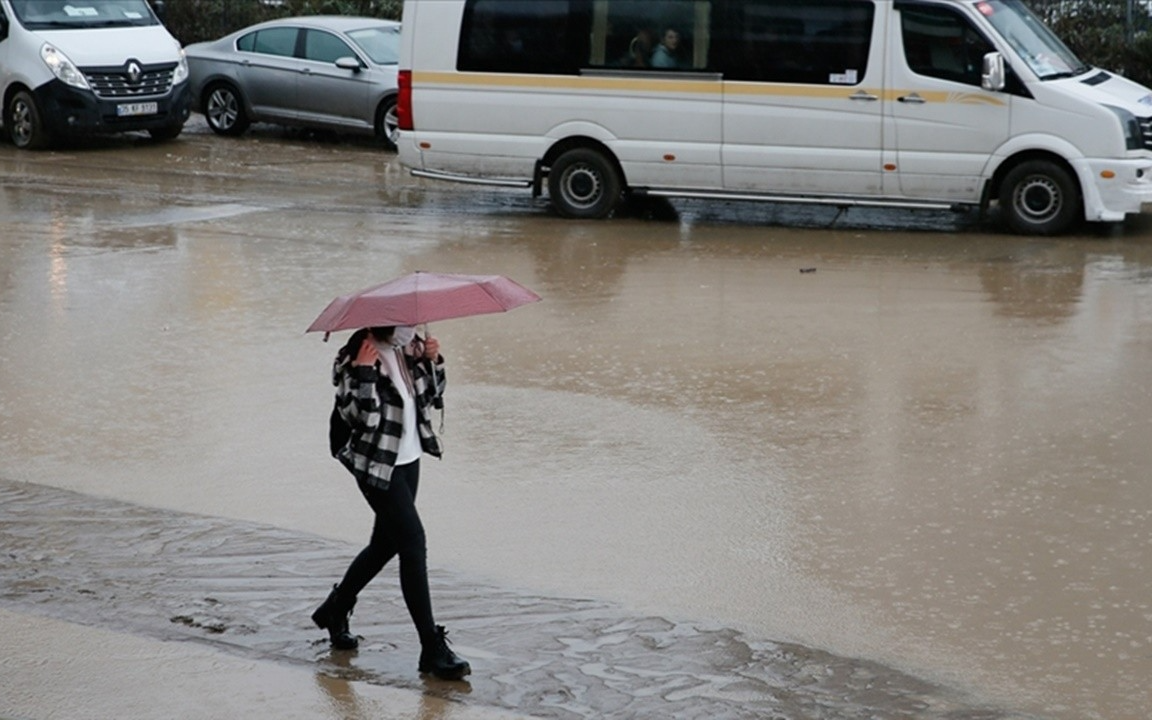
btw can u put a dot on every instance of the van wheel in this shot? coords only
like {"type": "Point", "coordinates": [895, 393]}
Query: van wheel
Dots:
{"type": "Point", "coordinates": [582, 183]}
{"type": "Point", "coordinates": [1040, 197]}
{"type": "Point", "coordinates": [224, 110]}
{"type": "Point", "coordinates": [25, 126]}
{"type": "Point", "coordinates": [387, 124]}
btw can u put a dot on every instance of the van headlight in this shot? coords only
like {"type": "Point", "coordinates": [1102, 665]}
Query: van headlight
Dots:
{"type": "Point", "coordinates": [180, 74]}
{"type": "Point", "coordinates": [63, 68]}
{"type": "Point", "coordinates": [1133, 135]}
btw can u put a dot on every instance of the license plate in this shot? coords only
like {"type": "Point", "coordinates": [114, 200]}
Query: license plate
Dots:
{"type": "Point", "coordinates": [130, 109]}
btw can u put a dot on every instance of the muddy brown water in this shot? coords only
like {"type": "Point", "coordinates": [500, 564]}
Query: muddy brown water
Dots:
{"type": "Point", "coordinates": [742, 461]}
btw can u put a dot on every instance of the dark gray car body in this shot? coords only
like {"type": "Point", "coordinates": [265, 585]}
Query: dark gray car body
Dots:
{"type": "Point", "coordinates": [329, 72]}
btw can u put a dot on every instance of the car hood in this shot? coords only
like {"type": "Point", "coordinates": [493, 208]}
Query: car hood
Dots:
{"type": "Point", "coordinates": [114, 46]}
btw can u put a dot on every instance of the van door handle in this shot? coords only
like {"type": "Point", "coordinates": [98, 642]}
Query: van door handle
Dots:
{"type": "Point", "coordinates": [863, 96]}
{"type": "Point", "coordinates": [913, 99]}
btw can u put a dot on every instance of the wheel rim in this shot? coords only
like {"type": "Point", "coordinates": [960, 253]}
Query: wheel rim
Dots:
{"type": "Point", "coordinates": [1038, 199]}
{"type": "Point", "coordinates": [222, 109]}
{"type": "Point", "coordinates": [392, 125]}
{"type": "Point", "coordinates": [582, 186]}
{"type": "Point", "coordinates": [21, 123]}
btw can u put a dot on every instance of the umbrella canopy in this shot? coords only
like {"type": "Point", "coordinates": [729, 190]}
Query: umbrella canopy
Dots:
{"type": "Point", "coordinates": [422, 297]}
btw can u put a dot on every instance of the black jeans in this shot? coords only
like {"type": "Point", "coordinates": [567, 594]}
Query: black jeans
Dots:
{"type": "Point", "coordinates": [397, 531]}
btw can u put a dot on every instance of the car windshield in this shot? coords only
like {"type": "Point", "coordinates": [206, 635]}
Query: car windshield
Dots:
{"type": "Point", "coordinates": [381, 44]}
{"type": "Point", "coordinates": [70, 14]}
{"type": "Point", "coordinates": [1030, 39]}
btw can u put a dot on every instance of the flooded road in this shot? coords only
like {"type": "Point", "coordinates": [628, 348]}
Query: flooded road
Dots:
{"type": "Point", "coordinates": [742, 461]}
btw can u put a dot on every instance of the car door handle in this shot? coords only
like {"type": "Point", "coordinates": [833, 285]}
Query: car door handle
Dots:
{"type": "Point", "coordinates": [913, 99]}
{"type": "Point", "coordinates": [863, 96]}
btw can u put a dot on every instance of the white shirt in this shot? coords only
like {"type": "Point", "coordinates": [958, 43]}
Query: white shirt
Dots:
{"type": "Point", "coordinates": [409, 450]}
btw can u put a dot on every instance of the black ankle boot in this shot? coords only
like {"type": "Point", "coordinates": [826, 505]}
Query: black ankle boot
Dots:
{"type": "Point", "coordinates": [332, 616]}
{"type": "Point", "coordinates": [437, 658]}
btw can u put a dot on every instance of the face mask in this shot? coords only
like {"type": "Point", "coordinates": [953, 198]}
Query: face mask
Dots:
{"type": "Point", "coordinates": [403, 335]}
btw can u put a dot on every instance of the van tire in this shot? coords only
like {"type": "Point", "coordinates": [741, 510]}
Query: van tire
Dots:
{"type": "Point", "coordinates": [387, 124]}
{"type": "Point", "coordinates": [583, 183]}
{"type": "Point", "coordinates": [224, 110]}
{"type": "Point", "coordinates": [24, 123]}
{"type": "Point", "coordinates": [1039, 197]}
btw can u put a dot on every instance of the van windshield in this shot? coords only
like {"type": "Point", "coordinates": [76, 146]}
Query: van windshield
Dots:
{"type": "Point", "coordinates": [75, 14]}
{"type": "Point", "coordinates": [1031, 39]}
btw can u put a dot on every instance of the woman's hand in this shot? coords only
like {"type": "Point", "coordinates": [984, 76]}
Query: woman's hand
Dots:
{"type": "Point", "coordinates": [431, 348]}
{"type": "Point", "coordinates": [367, 355]}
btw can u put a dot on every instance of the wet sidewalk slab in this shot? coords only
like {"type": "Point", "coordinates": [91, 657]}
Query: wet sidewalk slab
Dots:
{"type": "Point", "coordinates": [249, 589]}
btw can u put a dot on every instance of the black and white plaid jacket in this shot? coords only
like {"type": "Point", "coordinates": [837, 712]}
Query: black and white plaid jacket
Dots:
{"type": "Point", "coordinates": [371, 405]}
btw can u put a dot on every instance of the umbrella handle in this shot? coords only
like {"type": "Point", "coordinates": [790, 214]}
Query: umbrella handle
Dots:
{"type": "Point", "coordinates": [438, 398]}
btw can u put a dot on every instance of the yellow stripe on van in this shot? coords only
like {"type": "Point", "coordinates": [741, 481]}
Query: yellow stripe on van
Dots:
{"type": "Point", "coordinates": [679, 85]}
{"type": "Point", "coordinates": [786, 90]}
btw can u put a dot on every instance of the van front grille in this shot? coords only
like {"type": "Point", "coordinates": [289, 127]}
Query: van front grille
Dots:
{"type": "Point", "coordinates": [1145, 133]}
{"type": "Point", "coordinates": [114, 83]}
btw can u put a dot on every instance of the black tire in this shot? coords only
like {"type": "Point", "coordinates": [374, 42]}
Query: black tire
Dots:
{"type": "Point", "coordinates": [1039, 197]}
{"type": "Point", "coordinates": [168, 132]}
{"type": "Point", "coordinates": [224, 110]}
{"type": "Point", "coordinates": [583, 183]}
{"type": "Point", "coordinates": [387, 124]}
{"type": "Point", "coordinates": [24, 123]}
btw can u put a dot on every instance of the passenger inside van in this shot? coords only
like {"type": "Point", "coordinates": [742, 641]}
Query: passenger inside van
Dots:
{"type": "Point", "coordinates": [667, 54]}
{"type": "Point", "coordinates": [639, 53]}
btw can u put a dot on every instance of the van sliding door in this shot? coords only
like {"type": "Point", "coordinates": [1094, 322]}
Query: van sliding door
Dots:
{"type": "Point", "coordinates": [802, 98]}
{"type": "Point", "coordinates": [649, 78]}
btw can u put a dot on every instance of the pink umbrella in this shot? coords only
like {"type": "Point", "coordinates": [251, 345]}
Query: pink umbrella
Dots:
{"type": "Point", "coordinates": [420, 298]}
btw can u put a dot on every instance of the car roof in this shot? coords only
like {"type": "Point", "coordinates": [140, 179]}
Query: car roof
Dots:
{"type": "Point", "coordinates": [339, 23]}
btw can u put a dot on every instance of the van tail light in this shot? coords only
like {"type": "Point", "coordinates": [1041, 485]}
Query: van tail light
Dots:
{"type": "Point", "coordinates": [404, 100]}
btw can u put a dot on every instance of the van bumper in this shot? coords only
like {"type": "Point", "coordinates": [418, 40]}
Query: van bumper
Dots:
{"type": "Point", "coordinates": [1115, 188]}
{"type": "Point", "coordinates": [66, 110]}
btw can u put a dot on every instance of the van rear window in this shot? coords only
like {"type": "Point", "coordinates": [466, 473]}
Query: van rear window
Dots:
{"type": "Point", "coordinates": [517, 36]}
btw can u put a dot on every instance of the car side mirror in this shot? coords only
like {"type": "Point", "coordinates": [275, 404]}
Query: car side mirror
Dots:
{"type": "Point", "coordinates": [993, 75]}
{"type": "Point", "coordinates": [348, 63]}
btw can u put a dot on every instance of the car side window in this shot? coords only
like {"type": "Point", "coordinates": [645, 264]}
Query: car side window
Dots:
{"type": "Point", "coordinates": [940, 43]}
{"type": "Point", "coordinates": [270, 41]}
{"type": "Point", "coordinates": [325, 47]}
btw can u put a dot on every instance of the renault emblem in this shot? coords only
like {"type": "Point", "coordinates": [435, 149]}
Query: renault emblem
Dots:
{"type": "Point", "coordinates": [134, 72]}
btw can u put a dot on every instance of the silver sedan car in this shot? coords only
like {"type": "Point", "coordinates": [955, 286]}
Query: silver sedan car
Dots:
{"type": "Point", "coordinates": [336, 73]}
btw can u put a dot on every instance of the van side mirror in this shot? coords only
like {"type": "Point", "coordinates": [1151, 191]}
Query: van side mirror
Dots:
{"type": "Point", "coordinates": [993, 75]}
{"type": "Point", "coordinates": [3, 26]}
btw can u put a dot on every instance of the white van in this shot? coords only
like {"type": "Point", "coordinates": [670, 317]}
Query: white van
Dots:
{"type": "Point", "coordinates": [904, 103]}
{"type": "Point", "coordinates": [77, 67]}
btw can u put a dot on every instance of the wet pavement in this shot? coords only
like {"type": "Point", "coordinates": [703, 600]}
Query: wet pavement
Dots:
{"type": "Point", "coordinates": [743, 460]}
{"type": "Point", "coordinates": [250, 588]}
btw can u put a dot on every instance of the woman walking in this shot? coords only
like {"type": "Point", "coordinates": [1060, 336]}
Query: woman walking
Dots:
{"type": "Point", "coordinates": [385, 392]}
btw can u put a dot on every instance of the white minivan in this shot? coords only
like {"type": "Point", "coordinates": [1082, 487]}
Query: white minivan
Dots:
{"type": "Point", "coordinates": [905, 103]}
{"type": "Point", "coordinates": [80, 67]}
